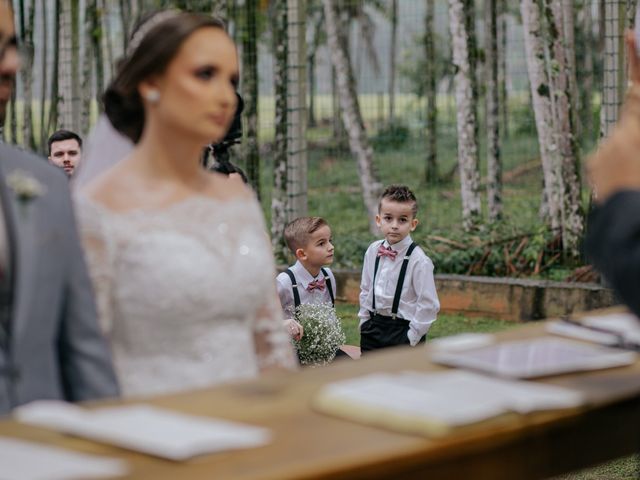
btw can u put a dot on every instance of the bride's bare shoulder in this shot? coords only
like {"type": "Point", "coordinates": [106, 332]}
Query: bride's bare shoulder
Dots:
{"type": "Point", "coordinates": [109, 189]}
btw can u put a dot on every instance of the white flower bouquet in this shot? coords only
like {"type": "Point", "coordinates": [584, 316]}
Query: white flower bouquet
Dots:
{"type": "Point", "coordinates": [322, 336]}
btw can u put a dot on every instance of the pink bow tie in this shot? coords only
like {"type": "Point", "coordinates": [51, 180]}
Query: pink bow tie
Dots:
{"type": "Point", "coordinates": [316, 284]}
{"type": "Point", "coordinates": [387, 252]}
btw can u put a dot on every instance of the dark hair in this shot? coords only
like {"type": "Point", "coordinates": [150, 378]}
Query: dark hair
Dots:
{"type": "Point", "coordinates": [400, 194]}
{"type": "Point", "coordinates": [62, 135]}
{"type": "Point", "coordinates": [151, 56]}
{"type": "Point", "coordinates": [227, 168]}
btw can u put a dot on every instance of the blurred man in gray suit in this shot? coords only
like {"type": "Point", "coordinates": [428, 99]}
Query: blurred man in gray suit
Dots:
{"type": "Point", "coordinates": [50, 343]}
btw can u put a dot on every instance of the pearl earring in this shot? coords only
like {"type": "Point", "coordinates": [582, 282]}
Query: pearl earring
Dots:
{"type": "Point", "coordinates": [152, 96]}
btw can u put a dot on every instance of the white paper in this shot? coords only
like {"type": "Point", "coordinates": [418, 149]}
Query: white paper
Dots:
{"type": "Point", "coordinates": [462, 341]}
{"type": "Point", "coordinates": [20, 460]}
{"type": "Point", "coordinates": [453, 398]}
{"type": "Point", "coordinates": [145, 428]}
{"type": "Point", "coordinates": [536, 357]}
{"type": "Point", "coordinates": [623, 326]}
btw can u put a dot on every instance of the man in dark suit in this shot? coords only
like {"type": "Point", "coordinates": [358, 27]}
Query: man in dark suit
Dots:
{"type": "Point", "coordinates": [50, 343]}
{"type": "Point", "coordinates": [613, 236]}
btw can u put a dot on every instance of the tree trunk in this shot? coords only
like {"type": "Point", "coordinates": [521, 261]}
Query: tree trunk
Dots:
{"type": "Point", "coordinates": [494, 160]}
{"type": "Point", "coordinates": [107, 38]}
{"type": "Point", "coordinates": [461, 19]}
{"type": "Point", "coordinates": [44, 134]}
{"type": "Point", "coordinates": [87, 71]}
{"type": "Point", "coordinates": [69, 65]}
{"type": "Point", "coordinates": [250, 92]}
{"type": "Point", "coordinates": [392, 59]}
{"type": "Point", "coordinates": [26, 32]}
{"type": "Point", "coordinates": [542, 107]}
{"type": "Point", "coordinates": [503, 31]}
{"type": "Point", "coordinates": [586, 92]}
{"type": "Point", "coordinates": [55, 77]}
{"type": "Point", "coordinates": [431, 171]}
{"type": "Point", "coordinates": [568, 12]}
{"type": "Point", "coordinates": [219, 8]}
{"type": "Point", "coordinates": [96, 39]}
{"type": "Point", "coordinates": [280, 83]}
{"type": "Point", "coordinates": [564, 130]}
{"type": "Point", "coordinates": [351, 115]}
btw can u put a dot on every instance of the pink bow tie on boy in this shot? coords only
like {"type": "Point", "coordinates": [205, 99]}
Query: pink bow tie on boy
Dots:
{"type": "Point", "coordinates": [387, 252]}
{"type": "Point", "coordinates": [316, 284]}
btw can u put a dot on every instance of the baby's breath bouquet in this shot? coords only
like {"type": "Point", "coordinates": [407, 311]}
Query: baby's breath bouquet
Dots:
{"type": "Point", "coordinates": [322, 335]}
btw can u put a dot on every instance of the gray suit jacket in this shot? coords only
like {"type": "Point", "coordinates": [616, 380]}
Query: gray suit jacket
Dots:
{"type": "Point", "coordinates": [55, 348]}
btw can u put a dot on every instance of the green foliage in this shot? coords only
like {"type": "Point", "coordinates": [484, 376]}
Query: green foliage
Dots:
{"type": "Point", "coordinates": [391, 137]}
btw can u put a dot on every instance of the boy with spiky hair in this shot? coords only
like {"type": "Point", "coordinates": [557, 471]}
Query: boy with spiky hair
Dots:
{"type": "Point", "coordinates": [398, 299]}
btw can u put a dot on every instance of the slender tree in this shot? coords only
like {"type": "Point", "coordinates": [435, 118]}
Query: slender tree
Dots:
{"type": "Point", "coordinates": [26, 24]}
{"type": "Point", "coordinates": [69, 65]}
{"type": "Point", "coordinates": [503, 31]}
{"type": "Point", "coordinates": [44, 75]}
{"type": "Point", "coordinates": [351, 115]}
{"type": "Point", "coordinates": [393, 20]}
{"type": "Point", "coordinates": [461, 20]}
{"type": "Point", "coordinates": [431, 93]}
{"type": "Point", "coordinates": [87, 71]}
{"type": "Point", "coordinates": [564, 128]}
{"type": "Point", "coordinates": [586, 76]}
{"type": "Point", "coordinates": [279, 194]}
{"type": "Point", "coordinates": [494, 160]}
{"type": "Point", "coordinates": [55, 83]}
{"type": "Point", "coordinates": [250, 92]}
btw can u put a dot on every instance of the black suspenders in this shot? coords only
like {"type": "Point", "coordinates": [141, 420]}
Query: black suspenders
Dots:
{"type": "Point", "coordinates": [327, 280]}
{"type": "Point", "coordinates": [403, 273]}
{"type": "Point", "coordinates": [294, 286]}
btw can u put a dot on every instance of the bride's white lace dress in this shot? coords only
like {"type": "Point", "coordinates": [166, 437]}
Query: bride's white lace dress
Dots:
{"type": "Point", "coordinates": [186, 294]}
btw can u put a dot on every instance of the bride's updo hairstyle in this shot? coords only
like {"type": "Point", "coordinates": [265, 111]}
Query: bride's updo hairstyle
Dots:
{"type": "Point", "coordinates": [154, 43]}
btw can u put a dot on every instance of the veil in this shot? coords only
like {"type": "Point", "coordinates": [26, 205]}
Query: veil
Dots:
{"type": "Point", "coordinates": [105, 147]}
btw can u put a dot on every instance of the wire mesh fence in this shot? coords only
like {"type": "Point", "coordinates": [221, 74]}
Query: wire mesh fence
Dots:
{"type": "Point", "coordinates": [400, 55]}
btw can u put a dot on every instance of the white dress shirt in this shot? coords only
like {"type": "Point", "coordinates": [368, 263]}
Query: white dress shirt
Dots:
{"type": "Point", "coordinates": [418, 301]}
{"type": "Point", "coordinates": [304, 278]}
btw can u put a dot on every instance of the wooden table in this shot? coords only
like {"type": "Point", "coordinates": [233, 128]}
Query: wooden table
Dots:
{"type": "Point", "coordinates": [310, 445]}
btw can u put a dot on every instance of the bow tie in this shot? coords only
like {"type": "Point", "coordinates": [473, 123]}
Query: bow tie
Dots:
{"type": "Point", "coordinates": [387, 252]}
{"type": "Point", "coordinates": [316, 284]}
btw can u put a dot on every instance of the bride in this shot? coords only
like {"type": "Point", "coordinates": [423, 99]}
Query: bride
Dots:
{"type": "Point", "coordinates": [179, 257]}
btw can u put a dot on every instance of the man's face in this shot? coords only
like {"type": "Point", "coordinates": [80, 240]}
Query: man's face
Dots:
{"type": "Point", "coordinates": [66, 155]}
{"type": "Point", "coordinates": [9, 60]}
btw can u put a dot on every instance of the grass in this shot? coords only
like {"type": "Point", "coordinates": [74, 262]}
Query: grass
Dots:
{"type": "Point", "coordinates": [445, 325]}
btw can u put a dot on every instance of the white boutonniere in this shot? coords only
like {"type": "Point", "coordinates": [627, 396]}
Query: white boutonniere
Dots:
{"type": "Point", "coordinates": [25, 187]}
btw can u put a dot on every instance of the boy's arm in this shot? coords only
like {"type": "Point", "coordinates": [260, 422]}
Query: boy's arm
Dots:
{"type": "Point", "coordinates": [285, 294]}
{"type": "Point", "coordinates": [365, 286]}
{"type": "Point", "coordinates": [427, 304]}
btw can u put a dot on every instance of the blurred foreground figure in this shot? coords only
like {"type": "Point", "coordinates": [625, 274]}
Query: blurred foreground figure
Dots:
{"type": "Point", "coordinates": [613, 237]}
{"type": "Point", "coordinates": [50, 343]}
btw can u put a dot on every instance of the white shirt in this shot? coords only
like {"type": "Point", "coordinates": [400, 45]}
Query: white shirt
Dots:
{"type": "Point", "coordinates": [304, 278]}
{"type": "Point", "coordinates": [418, 301]}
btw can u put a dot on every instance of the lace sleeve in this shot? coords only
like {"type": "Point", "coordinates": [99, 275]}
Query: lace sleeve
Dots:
{"type": "Point", "coordinates": [98, 250]}
{"type": "Point", "coordinates": [273, 344]}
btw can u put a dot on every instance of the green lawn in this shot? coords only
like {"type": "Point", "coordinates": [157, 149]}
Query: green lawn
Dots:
{"type": "Point", "coordinates": [445, 325]}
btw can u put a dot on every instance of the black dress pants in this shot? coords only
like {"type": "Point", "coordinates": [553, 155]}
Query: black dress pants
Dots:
{"type": "Point", "coordinates": [381, 331]}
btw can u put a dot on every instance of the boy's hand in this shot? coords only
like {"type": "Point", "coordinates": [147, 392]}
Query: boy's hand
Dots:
{"type": "Point", "coordinates": [294, 328]}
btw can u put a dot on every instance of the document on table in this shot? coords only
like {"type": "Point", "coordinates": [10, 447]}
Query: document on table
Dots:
{"type": "Point", "coordinates": [20, 460]}
{"type": "Point", "coordinates": [434, 403]}
{"type": "Point", "coordinates": [144, 428]}
{"type": "Point", "coordinates": [536, 357]}
{"type": "Point", "coordinates": [609, 329]}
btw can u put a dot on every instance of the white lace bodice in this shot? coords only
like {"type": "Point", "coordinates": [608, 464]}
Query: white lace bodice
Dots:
{"type": "Point", "coordinates": [185, 294]}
